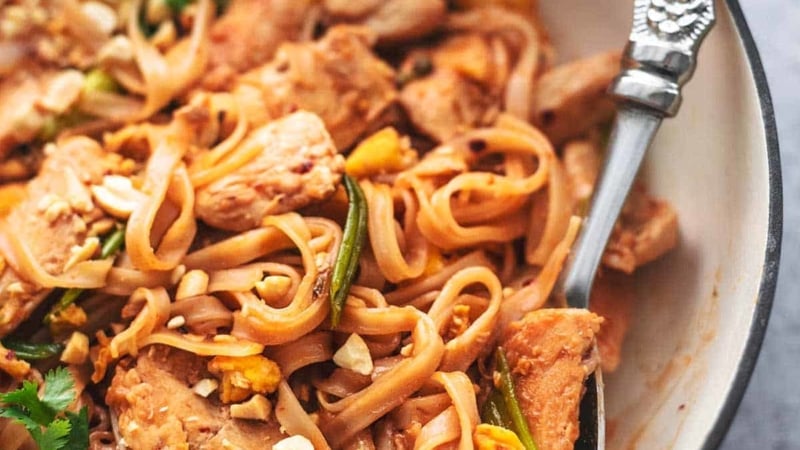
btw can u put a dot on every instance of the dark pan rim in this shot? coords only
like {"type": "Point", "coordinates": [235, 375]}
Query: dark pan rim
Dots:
{"type": "Point", "coordinates": [766, 292]}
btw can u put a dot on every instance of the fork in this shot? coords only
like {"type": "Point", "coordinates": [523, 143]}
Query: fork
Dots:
{"type": "Point", "coordinates": [659, 59]}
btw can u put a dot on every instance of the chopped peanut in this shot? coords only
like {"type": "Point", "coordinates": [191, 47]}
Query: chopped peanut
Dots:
{"type": "Point", "coordinates": [354, 355]}
{"type": "Point", "coordinates": [76, 350]}
{"type": "Point", "coordinates": [243, 376]}
{"type": "Point", "coordinates": [194, 283]}
{"type": "Point", "coordinates": [257, 408]}
{"type": "Point", "coordinates": [117, 196]}
{"type": "Point", "coordinates": [383, 152]}
{"type": "Point", "coordinates": [294, 443]}
{"type": "Point", "coordinates": [205, 387]}
{"type": "Point", "coordinates": [492, 437]}
{"type": "Point", "coordinates": [80, 253]}
{"type": "Point", "coordinates": [273, 288]}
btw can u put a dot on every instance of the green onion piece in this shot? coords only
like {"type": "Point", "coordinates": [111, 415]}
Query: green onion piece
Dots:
{"type": "Point", "coordinates": [33, 352]}
{"type": "Point", "coordinates": [495, 412]}
{"type": "Point", "coordinates": [112, 244]}
{"type": "Point", "coordinates": [518, 420]}
{"type": "Point", "coordinates": [177, 5]}
{"type": "Point", "coordinates": [346, 265]}
{"type": "Point", "coordinates": [97, 80]}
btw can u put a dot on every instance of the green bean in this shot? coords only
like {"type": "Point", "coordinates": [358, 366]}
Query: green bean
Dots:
{"type": "Point", "coordinates": [495, 412]}
{"type": "Point", "coordinates": [515, 415]}
{"type": "Point", "coordinates": [346, 265]}
{"type": "Point", "coordinates": [33, 352]}
{"type": "Point", "coordinates": [112, 244]}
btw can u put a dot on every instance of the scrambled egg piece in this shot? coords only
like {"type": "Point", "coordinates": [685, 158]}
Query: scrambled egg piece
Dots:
{"type": "Point", "coordinates": [244, 376]}
{"type": "Point", "coordinates": [383, 152]}
{"type": "Point", "coordinates": [10, 195]}
{"type": "Point", "coordinates": [492, 437]}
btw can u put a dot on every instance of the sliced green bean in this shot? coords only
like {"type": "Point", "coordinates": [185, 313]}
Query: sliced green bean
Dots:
{"type": "Point", "coordinates": [515, 415]}
{"type": "Point", "coordinates": [495, 412]}
{"type": "Point", "coordinates": [112, 244]}
{"type": "Point", "coordinates": [33, 352]}
{"type": "Point", "coordinates": [346, 265]}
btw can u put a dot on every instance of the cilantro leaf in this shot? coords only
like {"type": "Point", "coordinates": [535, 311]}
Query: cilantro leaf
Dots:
{"type": "Point", "coordinates": [46, 418]}
{"type": "Point", "coordinates": [177, 5]}
{"type": "Point", "coordinates": [59, 389]}
{"type": "Point", "coordinates": [55, 436]}
{"type": "Point", "coordinates": [79, 433]}
{"type": "Point", "coordinates": [27, 398]}
{"type": "Point", "coordinates": [19, 415]}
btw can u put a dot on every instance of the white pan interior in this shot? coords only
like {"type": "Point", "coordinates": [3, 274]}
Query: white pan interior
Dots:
{"type": "Point", "coordinates": [696, 306]}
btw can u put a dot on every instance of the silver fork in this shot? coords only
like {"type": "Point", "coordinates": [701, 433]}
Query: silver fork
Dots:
{"type": "Point", "coordinates": [659, 59]}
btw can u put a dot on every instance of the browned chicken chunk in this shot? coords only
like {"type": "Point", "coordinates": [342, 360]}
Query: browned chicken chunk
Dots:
{"type": "Point", "coordinates": [157, 408]}
{"type": "Point", "coordinates": [613, 298]}
{"type": "Point", "coordinates": [391, 20]}
{"type": "Point", "coordinates": [582, 163]}
{"type": "Point", "coordinates": [547, 352]}
{"type": "Point", "coordinates": [447, 103]}
{"type": "Point", "coordinates": [338, 78]}
{"type": "Point", "coordinates": [249, 33]}
{"type": "Point", "coordinates": [571, 98]}
{"type": "Point", "coordinates": [647, 229]}
{"type": "Point", "coordinates": [57, 203]}
{"type": "Point", "coordinates": [298, 165]}
{"type": "Point", "coordinates": [21, 117]}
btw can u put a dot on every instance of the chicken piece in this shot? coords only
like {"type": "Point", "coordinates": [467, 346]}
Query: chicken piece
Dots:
{"type": "Point", "coordinates": [157, 408]}
{"type": "Point", "coordinates": [647, 229]}
{"type": "Point", "coordinates": [20, 118]}
{"type": "Point", "coordinates": [298, 165]}
{"type": "Point", "coordinates": [582, 162]}
{"type": "Point", "coordinates": [547, 352]}
{"type": "Point", "coordinates": [446, 104]}
{"type": "Point", "coordinates": [249, 33]}
{"type": "Point", "coordinates": [338, 78]}
{"type": "Point", "coordinates": [613, 298]}
{"type": "Point", "coordinates": [570, 99]}
{"type": "Point", "coordinates": [56, 203]}
{"type": "Point", "coordinates": [350, 9]}
{"type": "Point", "coordinates": [392, 20]}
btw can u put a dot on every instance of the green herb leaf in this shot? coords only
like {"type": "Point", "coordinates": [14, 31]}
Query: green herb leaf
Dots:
{"type": "Point", "coordinates": [59, 389]}
{"type": "Point", "coordinates": [346, 265]}
{"type": "Point", "coordinates": [178, 5]}
{"type": "Point", "coordinates": [79, 430]}
{"type": "Point", "coordinates": [51, 427]}
{"type": "Point", "coordinates": [33, 352]}
{"type": "Point", "coordinates": [19, 415]}
{"type": "Point", "coordinates": [55, 436]}
{"type": "Point", "coordinates": [27, 398]}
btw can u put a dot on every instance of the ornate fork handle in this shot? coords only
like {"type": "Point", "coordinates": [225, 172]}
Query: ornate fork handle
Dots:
{"type": "Point", "coordinates": [662, 52]}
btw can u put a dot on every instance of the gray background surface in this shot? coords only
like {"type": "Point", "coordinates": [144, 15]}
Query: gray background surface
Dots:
{"type": "Point", "coordinates": [769, 417]}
